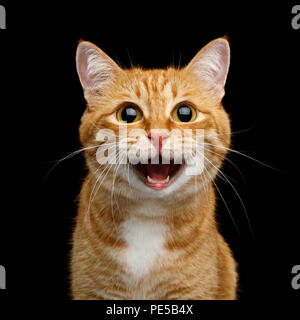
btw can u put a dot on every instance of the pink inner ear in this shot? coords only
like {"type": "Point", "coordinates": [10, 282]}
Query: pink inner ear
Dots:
{"type": "Point", "coordinates": [211, 64]}
{"type": "Point", "coordinates": [95, 68]}
{"type": "Point", "coordinates": [89, 66]}
{"type": "Point", "coordinates": [224, 64]}
{"type": "Point", "coordinates": [82, 67]}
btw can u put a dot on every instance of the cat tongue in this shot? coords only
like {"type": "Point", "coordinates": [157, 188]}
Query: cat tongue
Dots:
{"type": "Point", "coordinates": [158, 172]}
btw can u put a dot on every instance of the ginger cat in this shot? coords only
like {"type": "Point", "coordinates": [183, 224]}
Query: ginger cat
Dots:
{"type": "Point", "coordinates": [147, 230]}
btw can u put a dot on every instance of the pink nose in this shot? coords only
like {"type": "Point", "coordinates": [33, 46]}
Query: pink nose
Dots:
{"type": "Point", "coordinates": [157, 136]}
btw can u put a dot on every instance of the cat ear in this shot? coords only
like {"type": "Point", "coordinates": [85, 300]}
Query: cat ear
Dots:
{"type": "Point", "coordinates": [211, 64]}
{"type": "Point", "coordinates": [95, 68]}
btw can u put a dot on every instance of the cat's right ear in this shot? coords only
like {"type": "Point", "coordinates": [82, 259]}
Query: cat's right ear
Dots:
{"type": "Point", "coordinates": [95, 69]}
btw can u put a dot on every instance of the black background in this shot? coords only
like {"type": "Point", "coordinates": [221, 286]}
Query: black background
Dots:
{"type": "Point", "coordinates": [42, 102]}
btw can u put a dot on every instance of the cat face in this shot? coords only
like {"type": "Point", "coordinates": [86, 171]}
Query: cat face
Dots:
{"type": "Point", "coordinates": [154, 133]}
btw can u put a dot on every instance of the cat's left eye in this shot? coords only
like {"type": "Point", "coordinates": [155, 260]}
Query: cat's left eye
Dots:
{"type": "Point", "coordinates": [183, 112]}
{"type": "Point", "coordinates": [129, 113]}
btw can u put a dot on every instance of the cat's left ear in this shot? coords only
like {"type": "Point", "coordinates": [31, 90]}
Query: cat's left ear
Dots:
{"type": "Point", "coordinates": [210, 65]}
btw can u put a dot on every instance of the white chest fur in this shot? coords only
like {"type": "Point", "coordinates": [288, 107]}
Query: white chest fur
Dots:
{"type": "Point", "coordinates": [145, 240]}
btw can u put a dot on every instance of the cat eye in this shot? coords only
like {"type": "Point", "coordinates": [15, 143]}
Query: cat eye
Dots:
{"type": "Point", "coordinates": [184, 113]}
{"type": "Point", "coordinates": [129, 113]}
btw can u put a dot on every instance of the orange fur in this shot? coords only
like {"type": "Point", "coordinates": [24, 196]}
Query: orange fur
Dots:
{"type": "Point", "coordinates": [194, 261]}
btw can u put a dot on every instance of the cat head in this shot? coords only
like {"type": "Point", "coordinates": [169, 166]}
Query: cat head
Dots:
{"type": "Point", "coordinates": [146, 130]}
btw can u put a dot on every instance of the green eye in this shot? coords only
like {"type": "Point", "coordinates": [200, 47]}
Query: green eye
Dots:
{"type": "Point", "coordinates": [184, 113]}
{"type": "Point", "coordinates": [129, 113]}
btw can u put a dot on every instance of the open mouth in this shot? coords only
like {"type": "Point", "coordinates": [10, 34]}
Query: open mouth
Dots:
{"type": "Point", "coordinates": [158, 176]}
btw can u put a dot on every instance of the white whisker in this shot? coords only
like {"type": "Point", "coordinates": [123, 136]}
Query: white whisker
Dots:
{"type": "Point", "coordinates": [223, 201]}
{"type": "Point", "coordinates": [240, 199]}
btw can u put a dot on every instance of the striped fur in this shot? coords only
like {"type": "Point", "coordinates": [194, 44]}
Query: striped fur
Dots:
{"type": "Point", "coordinates": [131, 242]}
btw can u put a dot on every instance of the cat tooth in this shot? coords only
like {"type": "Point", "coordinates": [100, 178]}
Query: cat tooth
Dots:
{"type": "Point", "coordinates": [149, 179]}
{"type": "Point", "coordinates": [167, 179]}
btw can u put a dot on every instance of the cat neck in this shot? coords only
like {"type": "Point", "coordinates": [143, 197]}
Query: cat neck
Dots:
{"type": "Point", "coordinates": [106, 220]}
{"type": "Point", "coordinates": [119, 208]}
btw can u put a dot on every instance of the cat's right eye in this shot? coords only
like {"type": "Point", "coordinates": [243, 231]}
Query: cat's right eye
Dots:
{"type": "Point", "coordinates": [129, 113]}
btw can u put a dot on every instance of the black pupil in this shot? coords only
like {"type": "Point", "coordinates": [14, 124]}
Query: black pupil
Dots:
{"type": "Point", "coordinates": [128, 114]}
{"type": "Point", "coordinates": [184, 114]}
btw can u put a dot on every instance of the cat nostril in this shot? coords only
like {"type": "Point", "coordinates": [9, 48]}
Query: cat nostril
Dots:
{"type": "Point", "coordinates": [155, 135]}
